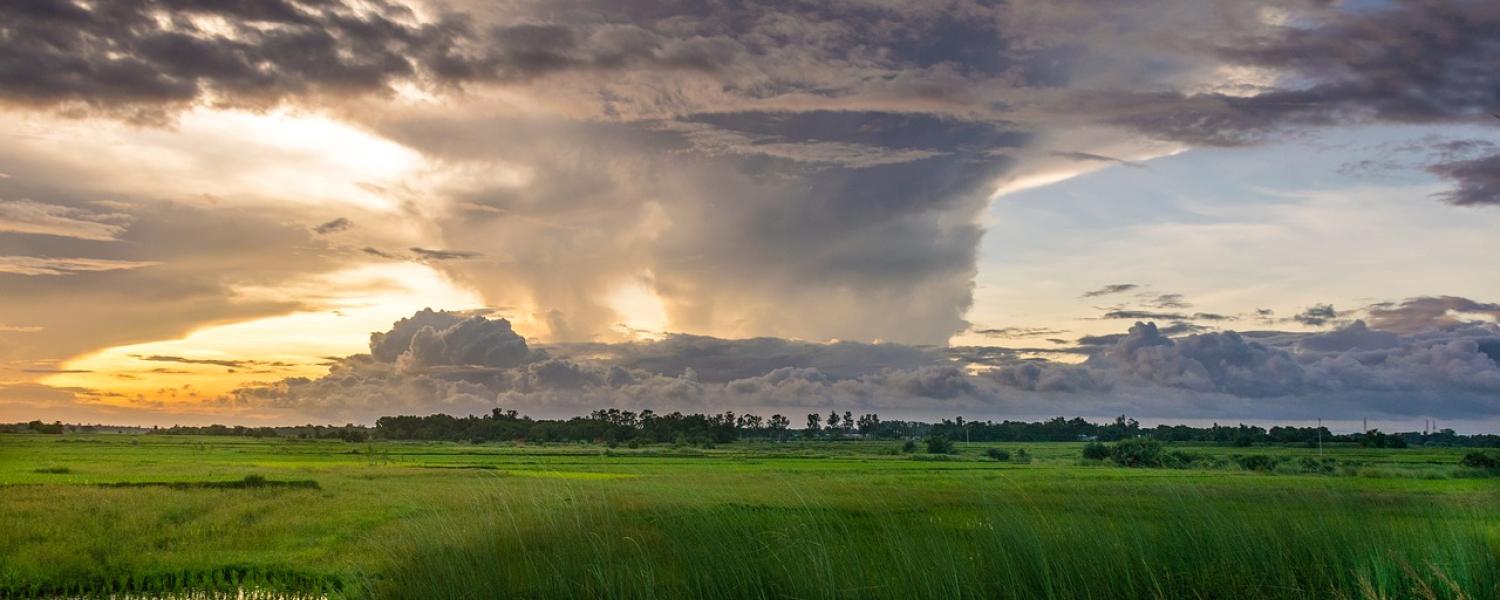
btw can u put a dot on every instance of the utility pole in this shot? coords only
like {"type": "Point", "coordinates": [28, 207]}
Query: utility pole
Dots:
{"type": "Point", "coordinates": [1320, 437]}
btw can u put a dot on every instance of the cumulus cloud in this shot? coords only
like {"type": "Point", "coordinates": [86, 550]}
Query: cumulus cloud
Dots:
{"type": "Point", "coordinates": [441, 361]}
{"type": "Point", "coordinates": [1440, 312]}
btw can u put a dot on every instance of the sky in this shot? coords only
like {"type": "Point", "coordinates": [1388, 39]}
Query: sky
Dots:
{"type": "Point", "coordinates": [284, 212]}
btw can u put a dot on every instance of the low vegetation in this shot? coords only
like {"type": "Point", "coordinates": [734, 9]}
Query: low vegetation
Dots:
{"type": "Point", "coordinates": [168, 515]}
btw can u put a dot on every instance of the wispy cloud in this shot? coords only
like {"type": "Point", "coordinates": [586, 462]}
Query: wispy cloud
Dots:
{"type": "Point", "coordinates": [38, 266]}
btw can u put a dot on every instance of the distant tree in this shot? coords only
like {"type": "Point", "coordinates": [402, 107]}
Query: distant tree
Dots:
{"type": "Point", "coordinates": [998, 453]}
{"type": "Point", "coordinates": [779, 426]}
{"type": "Point", "coordinates": [1137, 452]}
{"type": "Point", "coordinates": [909, 447]}
{"type": "Point", "coordinates": [1096, 451]}
{"type": "Point", "coordinates": [939, 444]}
{"type": "Point", "coordinates": [814, 424]}
{"type": "Point", "coordinates": [833, 421]}
{"type": "Point", "coordinates": [848, 422]}
{"type": "Point", "coordinates": [1481, 460]}
{"type": "Point", "coordinates": [869, 424]}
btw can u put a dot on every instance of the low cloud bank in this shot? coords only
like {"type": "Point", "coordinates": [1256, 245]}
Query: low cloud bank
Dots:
{"type": "Point", "coordinates": [439, 361]}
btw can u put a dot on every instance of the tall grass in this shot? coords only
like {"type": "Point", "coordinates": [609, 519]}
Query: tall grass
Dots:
{"type": "Point", "coordinates": [573, 542]}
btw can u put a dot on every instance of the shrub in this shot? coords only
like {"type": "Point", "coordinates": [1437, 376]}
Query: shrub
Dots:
{"type": "Point", "coordinates": [1022, 457]}
{"type": "Point", "coordinates": [1481, 460]}
{"type": "Point", "coordinates": [1137, 452]}
{"type": "Point", "coordinates": [53, 471]}
{"type": "Point", "coordinates": [1319, 466]}
{"type": "Point", "coordinates": [939, 444]}
{"type": "Point", "coordinates": [997, 454]}
{"type": "Point", "coordinates": [1096, 451]}
{"type": "Point", "coordinates": [1182, 459]}
{"type": "Point", "coordinates": [1256, 462]}
{"type": "Point", "coordinates": [909, 447]}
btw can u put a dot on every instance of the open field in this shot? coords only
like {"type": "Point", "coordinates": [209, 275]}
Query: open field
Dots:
{"type": "Point", "coordinates": [81, 514]}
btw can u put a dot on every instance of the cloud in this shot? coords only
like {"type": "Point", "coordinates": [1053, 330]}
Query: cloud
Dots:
{"type": "Point", "coordinates": [1429, 312]}
{"type": "Point", "coordinates": [376, 252]}
{"type": "Point", "coordinates": [334, 226]}
{"type": "Point", "coordinates": [1168, 301]}
{"type": "Point", "coordinates": [1090, 157]}
{"type": "Point", "coordinates": [1166, 316]}
{"type": "Point", "coordinates": [1316, 315]}
{"type": "Point", "coordinates": [723, 241]}
{"type": "Point", "coordinates": [428, 254]}
{"type": "Point", "coordinates": [719, 360]}
{"type": "Point", "coordinates": [230, 363]}
{"type": "Point", "coordinates": [26, 216]}
{"type": "Point", "coordinates": [1114, 288]}
{"type": "Point", "coordinates": [39, 266]}
{"type": "Point", "coordinates": [1018, 332]}
{"type": "Point", "coordinates": [1477, 181]}
{"type": "Point", "coordinates": [1408, 62]}
{"type": "Point", "coordinates": [438, 361]}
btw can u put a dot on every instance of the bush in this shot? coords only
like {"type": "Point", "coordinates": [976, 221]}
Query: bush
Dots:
{"type": "Point", "coordinates": [1096, 451]}
{"type": "Point", "coordinates": [1137, 452]}
{"type": "Point", "coordinates": [1318, 466]}
{"type": "Point", "coordinates": [1182, 459]}
{"type": "Point", "coordinates": [1256, 462]}
{"type": "Point", "coordinates": [997, 454]}
{"type": "Point", "coordinates": [53, 471]}
{"type": "Point", "coordinates": [939, 444]}
{"type": "Point", "coordinates": [1481, 460]}
{"type": "Point", "coordinates": [1022, 457]}
{"type": "Point", "coordinates": [909, 447]}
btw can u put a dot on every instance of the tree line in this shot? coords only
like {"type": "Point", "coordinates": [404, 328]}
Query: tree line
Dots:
{"type": "Point", "coordinates": [615, 426]}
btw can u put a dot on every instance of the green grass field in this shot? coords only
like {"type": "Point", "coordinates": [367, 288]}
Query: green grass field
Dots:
{"type": "Point", "coordinates": [82, 515]}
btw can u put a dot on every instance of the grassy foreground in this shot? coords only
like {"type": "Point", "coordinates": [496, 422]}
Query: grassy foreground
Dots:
{"type": "Point", "coordinates": [95, 514]}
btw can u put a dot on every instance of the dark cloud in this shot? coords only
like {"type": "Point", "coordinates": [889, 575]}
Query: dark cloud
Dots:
{"type": "Point", "coordinates": [1429, 312]}
{"type": "Point", "coordinates": [1090, 157]}
{"type": "Point", "coordinates": [1408, 62]}
{"type": "Point", "coordinates": [1168, 301]}
{"type": "Point", "coordinates": [429, 254]}
{"type": "Point", "coordinates": [1477, 181]}
{"type": "Point", "coordinates": [1100, 340]}
{"type": "Point", "coordinates": [376, 252]}
{"type": "Point", "coordinates": [1316, 315]}
{"type": "Point", "coordinates": [1166, 316]}
{"type": "Point", "coordinates": [233, 364]}
{"type": "Point", "coordinates": [1143, 314]}
{"type": "Point", "coordinates": [334, 226]}
{"type": "Point", "coordinates": [718, 360]}
{"type": "Point", "coordinates": [1114, 288]}
{"type": "Point", "coordinates": [145, 57]}
{"type": "Point", "coordinates": [1018, 332]}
